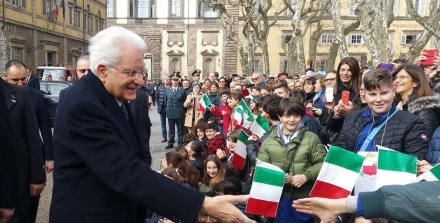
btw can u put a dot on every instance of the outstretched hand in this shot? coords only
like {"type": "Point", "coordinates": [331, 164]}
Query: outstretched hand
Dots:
{"type": "Point", "coordinates": [326, 209]}
{"type": "Point", "coordinates": [222, 208]}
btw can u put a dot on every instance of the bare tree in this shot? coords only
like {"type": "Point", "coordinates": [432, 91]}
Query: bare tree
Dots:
{"type": "Point", "coordinates": [338, 42]}
{"type": "Point", "coordinates": [305, 13]}
{"type": "Point", "coordinates": [430, 25]}
{"type": "Point", "coordinates": [375, 18]}
{"type": "Point", "coordinates": [316, 34]}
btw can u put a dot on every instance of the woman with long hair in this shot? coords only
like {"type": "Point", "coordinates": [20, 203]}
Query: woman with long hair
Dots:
{"type": "Point", "coordinates": [189, 175]}
{"type": "Point", "coordinates": [414, 94]}
{"type": "Point", "coordinates": [214, 172]}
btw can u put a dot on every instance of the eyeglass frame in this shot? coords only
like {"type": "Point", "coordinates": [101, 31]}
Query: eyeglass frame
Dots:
{"type": "Point", "coordinates": [129, 72]}
{"type": "Point", "coordinates": [329, 79]}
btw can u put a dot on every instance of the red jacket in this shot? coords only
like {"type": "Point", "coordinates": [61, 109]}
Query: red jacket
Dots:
{"type": "Point", "coordinates": [218, 142]}
{"type": "Point", "coordinates": [226, 118]}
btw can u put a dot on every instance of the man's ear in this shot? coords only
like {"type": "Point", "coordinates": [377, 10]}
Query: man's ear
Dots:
{"type": "Point", "coordinates": [101, 71]}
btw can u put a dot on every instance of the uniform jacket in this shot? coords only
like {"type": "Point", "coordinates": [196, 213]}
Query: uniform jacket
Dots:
{"type": "Point", "coordinates": [43, 120]}
{"type": "Point", "coordinates": [8, 166]}
{"type": "Point", "coordinates": [404, 132]}
{"type": "Point", "coordinates": [28, 153]}
{"type": "Point", "coordinates": [308, 160]}
{"type": "Point", "coordinates": [428, 109]}
{"type": "Point", "coordinates": [160, 98]}
{"type": "Point", "coordinates": [139, 108]}
{"type": "Point", "coordinates": [100, 173]}
{"type": "Point", "coordinates": [174, 101]}
{"type": "Point", "coordinates": [191, 110]}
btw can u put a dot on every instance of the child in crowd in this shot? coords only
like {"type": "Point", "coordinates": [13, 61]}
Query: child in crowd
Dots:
{"type": "Point", "coordinates": [223, 112]}
{"type": "Point", "coordinates": [189, 175]}
{"type": "Point", "coordinates": [298, 152]}
{"type": "Point", "coordinates": [197, 154]}
{"type": "Point", "coordinates": [200, 132]}
{"type": "Point", "coordinates": [232, 142]}
{"type": "Point", "coordinates": [213, 173]}
{"type": "Point", "coordinates": [216, 141]}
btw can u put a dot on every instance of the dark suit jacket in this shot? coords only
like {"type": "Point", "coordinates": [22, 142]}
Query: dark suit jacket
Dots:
{"type": "Point", "coordinates": [43, 120]}
{"type": "Point", "coordinates": [8, 166]}
{"type": "Point", "coordinates": [34, 82]}
{"type": "Point", "coordinates": [99, 174]}
{"type": "Point", "coordinates": [28, 154]}
{"type": "Point", "coordinates": [139, 109]}
{"type": "Point", "coordinates": [174, 102]}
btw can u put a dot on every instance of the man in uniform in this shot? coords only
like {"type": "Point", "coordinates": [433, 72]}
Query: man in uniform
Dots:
{"type": "Point", "coordinates": [196, 75]}
{"type": "Point", "coordinates": [175, 96]}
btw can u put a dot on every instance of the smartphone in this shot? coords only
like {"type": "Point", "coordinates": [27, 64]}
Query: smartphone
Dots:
{"type": "Point", "coordinates": [430, 57]}
{"type": "Point", "coordinates": [329, 94]}
{"type": "Point", "coordinates": [386, 66]}
{"type": "Point", "coordinates": [345, 97]}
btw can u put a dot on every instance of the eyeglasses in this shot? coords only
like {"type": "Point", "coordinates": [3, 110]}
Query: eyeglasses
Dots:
{"type": "Point", "coordinates": [400, 77]}
{"type": "Point", "coordinates": [83, 70]}
{"type": "Point", "coordinates": [133, 73]}
{"type": "Point", "coordinates": [254, 79]}
{"type": "Point", "coordinates": [329, 79]}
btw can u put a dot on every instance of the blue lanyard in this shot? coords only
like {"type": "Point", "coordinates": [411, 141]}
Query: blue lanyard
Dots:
{"type": "Point", "coordinates": [374, 132]}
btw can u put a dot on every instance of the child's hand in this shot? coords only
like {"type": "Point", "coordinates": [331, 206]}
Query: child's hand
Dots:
{"type": "Point", "coordinates": [220, 154]}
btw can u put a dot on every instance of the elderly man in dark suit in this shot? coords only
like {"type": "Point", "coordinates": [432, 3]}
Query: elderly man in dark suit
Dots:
{"type": "Point", "coordinates": [8, 166]}
{"type": "Point", "coordinates": [101, 175]}
{"type": "Point", "coordinates": [28, 153]}
{"type": "Point", "coordinates": [174, 97]}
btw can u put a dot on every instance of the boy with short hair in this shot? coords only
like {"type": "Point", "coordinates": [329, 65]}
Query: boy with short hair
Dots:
{"type": "Point", "coordinates": [216, 141]}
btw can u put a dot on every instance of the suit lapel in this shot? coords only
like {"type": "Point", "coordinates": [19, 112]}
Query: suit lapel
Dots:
{"type": "Point", "coordinates": [126, 126]}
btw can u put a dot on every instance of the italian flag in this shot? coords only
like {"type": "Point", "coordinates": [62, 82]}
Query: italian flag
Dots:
{"type": "Point", "coordinates": [395, 168]}
{"type": "Point", "coordinates": [242, 117]}
{"type": "Point", "coordinates": [338, 174]}
{"type": "Point", "coordinates": [240, 152]}
{"type": "Point", "coordinates": [431, 175]}
{"type": "Point", "coordinates": [260, 126]}
{"type": "Point", "coordinates": [204, 103]}
{"type": "Point", "coordinates": [266, 190]}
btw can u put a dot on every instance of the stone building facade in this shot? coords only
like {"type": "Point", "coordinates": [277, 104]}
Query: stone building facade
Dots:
{"type": "Point", "coordinates": [181, 35]}
{"type": "Point", "coordinates": [48, 32]}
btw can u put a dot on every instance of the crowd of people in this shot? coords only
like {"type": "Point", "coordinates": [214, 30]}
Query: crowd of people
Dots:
{"type": "Point", "coordinates": [100, 151]}
{"type": "Point", "coordinates": [396, 108]}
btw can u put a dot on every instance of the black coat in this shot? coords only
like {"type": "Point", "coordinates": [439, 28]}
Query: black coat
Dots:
{"type": "Point", "coordinates": [404, 132]}
{"type": "Point", "coordinates": [28, 153]}
{"type": "Point", "coordinates": [41, 111]}
{"type": "Point", "coordinates": [139, 108]}
{"type": "Point", "coordinates": [100, 174]}
{"type": "Point", "coordinates": [428, 109]}
{"type": "Point", "coordinates": [34, 82]}
{"type": "Point", "coordinates": [8, 168]}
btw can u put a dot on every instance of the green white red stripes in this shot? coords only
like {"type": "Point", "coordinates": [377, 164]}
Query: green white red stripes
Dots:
{"type": "Point", "coordinates": [395, 168]}
{"type": "Point", "coordinates": [266, 190]}
{"type": "Point", "coordinates": [240, 152]}
{"type": "Point", "coordinates": [260, 126]}
{"type": "Point", "coordinates": [204, 103]}
{"type": "Point", "coordinates": [431, 175]}
{"type": "Point", "coordinates": [338, 174]}
{"type": "Point", "coordinates": [243, 116]}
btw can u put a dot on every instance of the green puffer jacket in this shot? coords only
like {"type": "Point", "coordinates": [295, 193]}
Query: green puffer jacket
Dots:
{"type": "Point", "coordinates": [308, 160]}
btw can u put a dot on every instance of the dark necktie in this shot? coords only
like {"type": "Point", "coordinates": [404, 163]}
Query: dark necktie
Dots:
{"type": "Point", "coordinates": [124, 110]}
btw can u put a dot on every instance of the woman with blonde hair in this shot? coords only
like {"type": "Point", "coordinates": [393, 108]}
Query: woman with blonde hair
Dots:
{"type": "Point", "coordinates": [193, 115]}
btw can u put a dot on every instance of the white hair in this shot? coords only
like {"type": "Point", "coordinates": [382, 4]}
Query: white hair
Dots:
{"type": "Point", "coordinates": [107, 46]}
